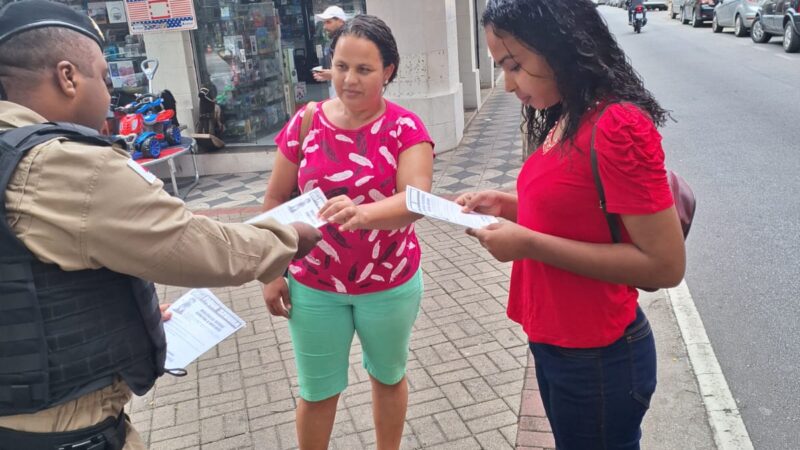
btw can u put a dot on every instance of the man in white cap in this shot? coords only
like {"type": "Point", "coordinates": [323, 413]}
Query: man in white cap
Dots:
{"type": "Point", "coordinates": [333, 19]}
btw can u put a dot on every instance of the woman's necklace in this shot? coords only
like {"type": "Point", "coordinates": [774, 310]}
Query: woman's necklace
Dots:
{"type": "Point", "coordinates": [550, 141]}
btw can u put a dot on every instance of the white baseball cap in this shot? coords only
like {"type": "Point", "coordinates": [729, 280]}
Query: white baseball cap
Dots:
{"type": "Point", "coordinates": [330, 13]}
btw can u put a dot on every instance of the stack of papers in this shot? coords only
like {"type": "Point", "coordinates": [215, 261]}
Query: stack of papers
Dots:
{"type": "Point", "coordinates": [199, 322]}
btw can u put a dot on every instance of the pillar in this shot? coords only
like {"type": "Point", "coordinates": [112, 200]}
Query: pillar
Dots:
{"type": "Point", "coordinates": [176, 71]}
{"type": "Point", "coordinates": [428, 79]}
{"type": "Point", "coordinates": [468, 72]}
{"type": "Point", "coordinates": [485, 61]}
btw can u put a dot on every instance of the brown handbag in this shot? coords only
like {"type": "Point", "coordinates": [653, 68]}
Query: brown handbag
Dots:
{"type": "Point", "coordinates": [682, 196]}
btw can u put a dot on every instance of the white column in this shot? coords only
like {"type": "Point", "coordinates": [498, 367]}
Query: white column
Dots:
{"type": "Point", "coordinates": [485, 61]}
{"type": "Point", "coordinates": [428, 79]}
{"type": "Point", "coordinates": [468, 72]}
{"type": "Point", "coordinates": [176, 71]}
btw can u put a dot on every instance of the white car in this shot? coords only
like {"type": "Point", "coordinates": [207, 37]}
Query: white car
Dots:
{"type": "Point", "coordinates": [656, 4]}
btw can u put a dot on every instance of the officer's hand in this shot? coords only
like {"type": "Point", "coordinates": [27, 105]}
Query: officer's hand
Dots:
{"type": "Point", "coordinates": [276, 296]}
{"type": "Point", "coordinates": [308, 237]}
{"type": "Point", "coordinates": [165, 315]}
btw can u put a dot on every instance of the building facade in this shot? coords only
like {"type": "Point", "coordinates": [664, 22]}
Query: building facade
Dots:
{"type": "Point", "coordinates": [255, 58]}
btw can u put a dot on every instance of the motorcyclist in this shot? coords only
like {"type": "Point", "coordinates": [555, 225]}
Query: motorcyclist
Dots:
{"type": "Point", "coordinates": [632, 4]}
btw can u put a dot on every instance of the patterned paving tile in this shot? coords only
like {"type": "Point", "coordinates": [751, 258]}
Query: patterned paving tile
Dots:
{"type": "Point", "coordinates": [488, 158]}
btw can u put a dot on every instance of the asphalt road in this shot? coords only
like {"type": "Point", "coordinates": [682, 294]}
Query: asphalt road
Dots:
{"type": "Point", "coordinates": [737, 141]}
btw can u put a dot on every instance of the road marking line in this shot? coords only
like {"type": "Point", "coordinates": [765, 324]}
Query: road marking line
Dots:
{"type": "Point", "coordinates": [759, 49]}
{"type": "Point", "coordinates": [785, 57]}
{"type": "Point", "coordinates": [723, 413]}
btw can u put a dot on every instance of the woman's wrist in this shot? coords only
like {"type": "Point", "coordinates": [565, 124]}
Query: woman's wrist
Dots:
{"type": "Point", "coordinates": [531, 244]}
{"type": "Point", "coordinates": [366, 216]}
{"type": "Point", "coordinates": [508, 208]}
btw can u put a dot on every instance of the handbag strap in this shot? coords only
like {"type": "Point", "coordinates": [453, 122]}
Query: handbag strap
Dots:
{"type": "Point", "coordinates": [612, 219]}
{"type": "Point", "coordinates": [305, 126]}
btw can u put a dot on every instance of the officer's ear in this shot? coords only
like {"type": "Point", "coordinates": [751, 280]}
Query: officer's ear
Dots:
{"type": "Point", "coordinates": [67, 78]}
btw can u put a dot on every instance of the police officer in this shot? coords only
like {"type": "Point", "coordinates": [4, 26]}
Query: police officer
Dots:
{"type": "Point", "coordinates": [81, 227]}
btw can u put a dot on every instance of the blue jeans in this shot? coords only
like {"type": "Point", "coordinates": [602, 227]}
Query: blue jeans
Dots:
{"type": "Point", "coordinates": [596, 398]}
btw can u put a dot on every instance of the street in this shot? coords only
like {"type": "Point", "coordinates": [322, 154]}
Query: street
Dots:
{"type": "Point", "coordinates": [737, 107]}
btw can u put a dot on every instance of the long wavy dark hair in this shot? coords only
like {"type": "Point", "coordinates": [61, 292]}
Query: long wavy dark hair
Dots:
{"type": "Point", "coordinates": [589, 66]}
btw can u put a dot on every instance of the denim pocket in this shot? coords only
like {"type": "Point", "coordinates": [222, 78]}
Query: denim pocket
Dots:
{"type": "Point", "coordinates": [642, 352]}
{"type": "Point", "coordinates": [578, 353]}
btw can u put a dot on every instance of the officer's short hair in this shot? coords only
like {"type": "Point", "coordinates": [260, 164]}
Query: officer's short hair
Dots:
{"type": "Point", "coordinates": [35, 35]}
{"type": "Point", "coordinates": [25, 56]}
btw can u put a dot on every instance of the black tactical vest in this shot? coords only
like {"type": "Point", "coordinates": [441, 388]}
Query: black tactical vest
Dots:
{"type": "Point", "coordinates": [65, 334]}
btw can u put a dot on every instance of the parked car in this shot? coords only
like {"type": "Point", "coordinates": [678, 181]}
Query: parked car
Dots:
{"type": "Point", "coordinates": [674, 7]}
{"type": "Point", "coordinates": [660, 5]}
{"type": "Point", "coordinates": [697, 11]}
{"type": "Point", "coordinates": [778, 17]}
{"type": "Point", "coordinates": [738, 14]}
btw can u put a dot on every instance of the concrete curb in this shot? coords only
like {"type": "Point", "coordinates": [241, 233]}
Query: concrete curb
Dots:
{"type": "Point", "coordinates": [723, 413]}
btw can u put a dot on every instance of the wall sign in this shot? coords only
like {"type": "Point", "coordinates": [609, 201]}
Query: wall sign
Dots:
{"type": "Point", "coordinates": [145, 16]}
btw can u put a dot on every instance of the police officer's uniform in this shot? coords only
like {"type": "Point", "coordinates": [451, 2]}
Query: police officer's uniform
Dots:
{"type": "Point", "coordinates": [82, 227]}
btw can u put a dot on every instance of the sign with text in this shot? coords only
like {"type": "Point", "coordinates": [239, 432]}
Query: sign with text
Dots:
{"type": "Point", "coordinates": [145, 16]}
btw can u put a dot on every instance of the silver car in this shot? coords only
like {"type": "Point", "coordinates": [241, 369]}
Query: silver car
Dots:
{"type": "Point", "coordinates": [660, 5]}
{"type": "Point", "coordinates": [738, 14]}
{"type": "Point", "coordinates": [674, 7]}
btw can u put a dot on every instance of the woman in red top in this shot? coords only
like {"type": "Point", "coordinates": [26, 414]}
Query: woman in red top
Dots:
{"type": "Point", "coordinates": [571, 286]}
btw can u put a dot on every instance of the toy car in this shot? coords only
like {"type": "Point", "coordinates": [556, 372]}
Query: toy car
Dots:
{"type": "Point", "coordinates": [147, 127]}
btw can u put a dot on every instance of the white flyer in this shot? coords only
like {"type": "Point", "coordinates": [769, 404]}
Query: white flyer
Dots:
{"type": "Point", "coordinates": [431, 205]}
{"type": "Point", "coordinates": [304, 208]}
{"type": "Point", "coordinates": [199, 322]}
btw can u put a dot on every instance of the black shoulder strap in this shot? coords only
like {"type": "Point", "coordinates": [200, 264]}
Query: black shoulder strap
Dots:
{"type": "Point", "coordinates": [612, 219]}
{"type": "Point", "coordinates": [25, 138]}
{"type": "Point", "coordinates": [14, 143]}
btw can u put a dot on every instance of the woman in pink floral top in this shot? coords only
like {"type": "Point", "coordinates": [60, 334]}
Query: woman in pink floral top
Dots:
{"type": "Point", "coordinates": [364, 276]}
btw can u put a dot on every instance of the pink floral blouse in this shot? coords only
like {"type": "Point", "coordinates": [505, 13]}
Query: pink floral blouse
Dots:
{"type": "Point", "coordinates": [361, 164]}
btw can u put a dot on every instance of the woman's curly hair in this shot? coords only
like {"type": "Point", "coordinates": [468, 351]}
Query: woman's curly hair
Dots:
{"type": "Point", "coordinates": [589, 66]}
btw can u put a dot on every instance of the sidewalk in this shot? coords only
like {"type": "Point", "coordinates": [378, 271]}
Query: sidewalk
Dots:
{"type": "Point", "coordinates": [470, 377]}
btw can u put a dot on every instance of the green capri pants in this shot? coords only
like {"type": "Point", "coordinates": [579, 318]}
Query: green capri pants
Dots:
{"type": "Point", "coordinates": [322, 325]}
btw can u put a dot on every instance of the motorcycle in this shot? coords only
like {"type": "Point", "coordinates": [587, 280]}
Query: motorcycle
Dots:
{"type": "Point", "coordinates": [638, 20]}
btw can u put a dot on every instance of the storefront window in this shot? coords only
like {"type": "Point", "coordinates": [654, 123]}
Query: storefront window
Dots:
{"type": "Point", "coordinates": [303, 41]}
{"type": "Point", "coordinates": [123, 51]}
{"type": "Point", "coordinates": [239, 61]}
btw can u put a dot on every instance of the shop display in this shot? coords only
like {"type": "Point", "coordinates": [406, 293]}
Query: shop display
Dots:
{"type": "Point", "coordinates": [148, 127]}
{"type": "Point", "coordinates": [239, 61]}
{"type": "Point", "coordinates": [294, 24]}
{"type": "Point", "coordinates": [123, 51]}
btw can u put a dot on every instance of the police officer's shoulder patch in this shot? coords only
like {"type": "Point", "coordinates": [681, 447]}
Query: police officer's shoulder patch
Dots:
{"type": "Point", "coordinates": [149, 177]}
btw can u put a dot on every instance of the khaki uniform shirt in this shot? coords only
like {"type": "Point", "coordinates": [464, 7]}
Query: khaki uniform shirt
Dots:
{"type": "Point", "coordinates": [85, 207]}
